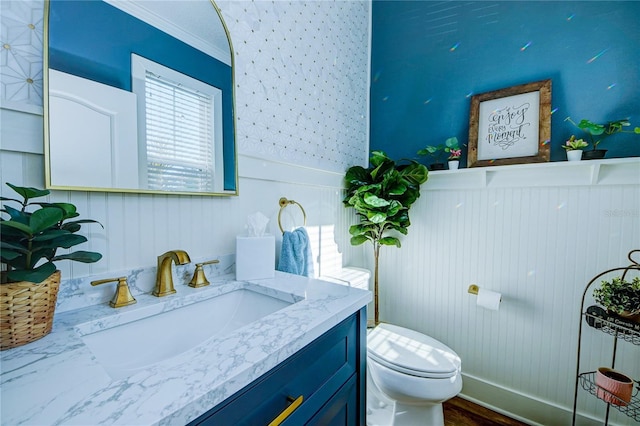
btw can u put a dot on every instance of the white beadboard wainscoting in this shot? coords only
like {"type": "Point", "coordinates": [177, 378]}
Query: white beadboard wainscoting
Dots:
{"type": "Point", "coordinates": [139, 227]}
{"type": "Point", "coordinates": [538, 242]}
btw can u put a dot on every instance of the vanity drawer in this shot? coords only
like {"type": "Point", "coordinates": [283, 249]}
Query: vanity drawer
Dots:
{"type": "Point", "coordinates": [317, 372]}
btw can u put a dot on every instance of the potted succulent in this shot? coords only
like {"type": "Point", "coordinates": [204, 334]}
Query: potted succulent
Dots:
{"type": "Point", "coordinates": [574, 148]}
{"type": "Point", "coordinates": [30, 238]}
{"type": "Point", "coordinates": [437, 151]}
{"type": "Point", "coordinates": [598, 132]}
{"type": "Point", "coordinates": [382, 195]}
{"type": "Point", "coordinates": [620, 297]}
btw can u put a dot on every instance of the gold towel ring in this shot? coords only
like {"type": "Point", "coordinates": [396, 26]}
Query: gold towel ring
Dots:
{"type": "Point", "coordinates": [284, 203]}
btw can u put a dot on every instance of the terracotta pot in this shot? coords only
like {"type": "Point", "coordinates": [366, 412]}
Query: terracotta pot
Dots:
{"type": "Point", "coordinates": [631, 316]}
{"type": "Point", "coordinates": [613, 386]}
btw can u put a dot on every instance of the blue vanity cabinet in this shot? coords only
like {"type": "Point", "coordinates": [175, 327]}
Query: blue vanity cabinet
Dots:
{"type": "Point", "coordinates": [328, 375]}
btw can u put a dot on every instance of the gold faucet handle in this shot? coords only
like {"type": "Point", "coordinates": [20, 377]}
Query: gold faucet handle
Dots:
{"type": "Point", "coordinates": [122, 296]}
{"type": "Point", "coordinates": [199, 279]}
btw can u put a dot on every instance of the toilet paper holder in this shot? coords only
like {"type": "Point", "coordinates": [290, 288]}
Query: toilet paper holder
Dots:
{"type": "Point", "coordinates": [474, 289]}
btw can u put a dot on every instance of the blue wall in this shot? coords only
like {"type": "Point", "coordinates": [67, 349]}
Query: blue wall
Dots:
{"type": "Point", "coordinates": [429, 58]}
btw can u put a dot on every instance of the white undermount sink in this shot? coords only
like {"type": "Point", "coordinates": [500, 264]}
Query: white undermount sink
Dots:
{"type": "Point", "coordinates": [127, 348]}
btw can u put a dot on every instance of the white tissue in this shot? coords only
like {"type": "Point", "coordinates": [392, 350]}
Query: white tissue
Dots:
{"type": "Point", "coordinates": [488, 299]}
{"type": "Point", "coordinates": [256, 224]}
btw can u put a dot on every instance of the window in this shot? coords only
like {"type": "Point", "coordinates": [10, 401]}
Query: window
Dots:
{"type": "Point", "coordinates": [180, 119]}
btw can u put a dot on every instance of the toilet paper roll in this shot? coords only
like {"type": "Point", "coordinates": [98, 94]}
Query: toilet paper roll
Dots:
{"type": "Point", "coordinates": [488, 299]}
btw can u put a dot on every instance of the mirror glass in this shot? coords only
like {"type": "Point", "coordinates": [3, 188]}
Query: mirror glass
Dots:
{"type": "Point", "coordinates": [139, 97]}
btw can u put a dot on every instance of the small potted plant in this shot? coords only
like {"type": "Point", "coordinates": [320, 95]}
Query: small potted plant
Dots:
{"type": "Point", "coordinates": [451, 144]}
{"type": "Point", "coordinates": [436, 152]}
{"type": "Point", "coordinates": [598, 132]}
{"type": "Point", "coordinates": [454, 158]}
{"type": "Point", "coordinates": [620, 297]}
{"type": "Point", "coordinates": [30, 239]}
{"type": "Point", "coordinates": [574, 148]}
{"type": "Point", "coordinates": [613, 386]}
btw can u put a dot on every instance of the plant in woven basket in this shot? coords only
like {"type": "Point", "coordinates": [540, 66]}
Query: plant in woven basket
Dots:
{"type": "Point", "coordinates": [30, 239]}
{"type": "Point", "coordinates": [619, 296]}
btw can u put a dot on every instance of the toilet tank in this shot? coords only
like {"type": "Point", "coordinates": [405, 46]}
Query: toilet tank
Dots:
{"type": "Point", "coordinates": [351, 276]}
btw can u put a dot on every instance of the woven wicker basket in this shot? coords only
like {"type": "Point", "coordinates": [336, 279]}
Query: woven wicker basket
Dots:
{"type": "Point", "coordinates": [26, 310]}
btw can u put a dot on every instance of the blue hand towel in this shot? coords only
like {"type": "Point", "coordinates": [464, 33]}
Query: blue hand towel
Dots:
{"type": "Point", "coordinates": [295, 255]}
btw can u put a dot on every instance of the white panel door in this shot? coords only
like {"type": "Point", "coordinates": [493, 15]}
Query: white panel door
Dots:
{"type": "Point", "coordinates": [92, 134]}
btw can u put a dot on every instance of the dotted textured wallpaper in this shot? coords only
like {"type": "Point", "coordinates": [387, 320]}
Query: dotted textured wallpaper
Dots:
{"type": "Point", "coordinates": [301, 72]}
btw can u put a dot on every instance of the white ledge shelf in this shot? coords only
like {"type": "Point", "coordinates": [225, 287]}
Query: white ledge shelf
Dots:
{"type": "Point", "coordinates": [616, 171]}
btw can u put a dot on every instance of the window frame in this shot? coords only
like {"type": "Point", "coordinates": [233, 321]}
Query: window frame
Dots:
{"type": "Point", "coordinates": [139, 68]}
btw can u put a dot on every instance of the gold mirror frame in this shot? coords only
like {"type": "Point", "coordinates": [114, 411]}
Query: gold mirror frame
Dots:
{"type": "Point", "coordinates": [46, 116]}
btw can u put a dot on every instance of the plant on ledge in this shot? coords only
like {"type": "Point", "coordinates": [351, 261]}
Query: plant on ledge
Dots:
{"type": "Point", "coordinates": [450, 146]}
{"type": "Point", "coordinates": [574, 144]}
{"type": "Point", "coordinates": [598, 132]}
{"type": "Point", "coordinates": [31, 237]}
{"type": "Point", "coordinates": [382, 195]}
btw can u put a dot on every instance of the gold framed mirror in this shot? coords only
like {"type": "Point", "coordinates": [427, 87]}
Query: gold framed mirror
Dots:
{"type": "Point", "coordinates": [139, 97]}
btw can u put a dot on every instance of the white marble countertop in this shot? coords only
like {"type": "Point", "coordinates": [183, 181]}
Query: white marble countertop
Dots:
{"type": "Point", "coordinates": [57, 379]}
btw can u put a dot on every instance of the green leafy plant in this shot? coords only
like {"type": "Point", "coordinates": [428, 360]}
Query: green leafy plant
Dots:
{"type": "Point", "coordinates": [434, 151]}
{"type": "Point", "coordinates": [450, 147]}
{"type": "Point", "coordinates": [382, 195]}
{"type": "Point", "coordinates": [619, 296]}
{"type": "Point", "coordinates": [573, 144]}
{"type": "Point", "coordinates": [598, 132]}
{"type": "Point", "coordinates": [30, 239]}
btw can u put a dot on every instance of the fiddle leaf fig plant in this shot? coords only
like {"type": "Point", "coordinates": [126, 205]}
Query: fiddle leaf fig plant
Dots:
{"type": "Point", "coordinates": [30, 239]}
{"type": "Point", "coordinates": [382, 195]}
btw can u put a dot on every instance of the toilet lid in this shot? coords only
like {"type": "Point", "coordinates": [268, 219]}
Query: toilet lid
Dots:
{"type": "Point", "coordinates": [410, 352]}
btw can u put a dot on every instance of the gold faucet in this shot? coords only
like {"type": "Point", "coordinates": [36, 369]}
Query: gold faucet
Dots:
{"type": "Point", "coordinates": [164, 279]}
{"type": "Point", "coordinates": [122, 296]}
{"type": "Point", "coordinates": [199, 279]}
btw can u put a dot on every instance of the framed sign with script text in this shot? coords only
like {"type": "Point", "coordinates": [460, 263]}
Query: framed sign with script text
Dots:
{"type": "Point", "coordinates": [510, 126]}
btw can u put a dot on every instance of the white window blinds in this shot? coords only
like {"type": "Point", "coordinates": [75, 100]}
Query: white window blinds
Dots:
{"type": "Point", "coordinates": [179, 132]}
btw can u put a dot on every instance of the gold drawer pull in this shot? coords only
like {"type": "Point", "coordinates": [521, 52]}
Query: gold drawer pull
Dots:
{"type": "Point", "coordinates": [287, 412]}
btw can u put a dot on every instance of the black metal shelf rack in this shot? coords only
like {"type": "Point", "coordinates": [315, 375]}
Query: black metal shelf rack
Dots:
{"type": "Point", "coordinates": [621, 330]}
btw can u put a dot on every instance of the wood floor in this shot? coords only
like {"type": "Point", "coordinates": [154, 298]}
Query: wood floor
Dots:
{"type": "Point", "coordinates": [459, 412]}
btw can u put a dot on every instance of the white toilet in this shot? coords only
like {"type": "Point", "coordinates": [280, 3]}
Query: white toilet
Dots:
{"type": "Point", "coordinates": [409, 376]}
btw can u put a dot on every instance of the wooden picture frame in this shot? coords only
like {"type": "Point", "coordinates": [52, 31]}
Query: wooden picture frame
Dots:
{"type": "Point", "coordinates": [511, 125]}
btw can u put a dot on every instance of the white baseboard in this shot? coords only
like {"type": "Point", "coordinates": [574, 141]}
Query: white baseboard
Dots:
{"type": "Point", "coordinates": [525, 408]}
